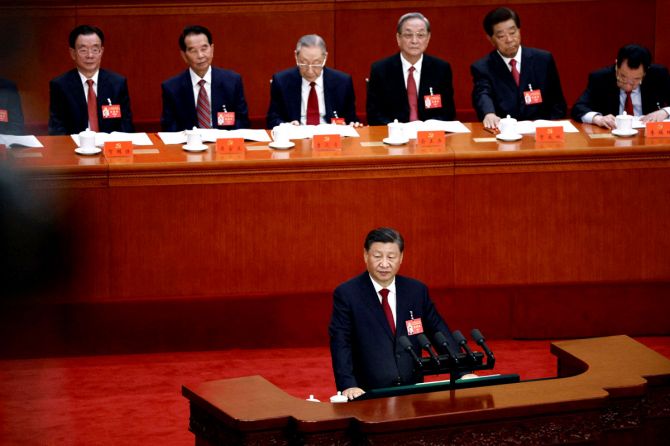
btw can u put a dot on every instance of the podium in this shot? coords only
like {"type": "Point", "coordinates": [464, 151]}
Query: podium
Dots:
{"type": "Point", "coordinates": [610, 390]}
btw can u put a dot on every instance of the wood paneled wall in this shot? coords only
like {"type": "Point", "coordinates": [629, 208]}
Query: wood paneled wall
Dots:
{"type": "Point", "coordinates": [256, 38]}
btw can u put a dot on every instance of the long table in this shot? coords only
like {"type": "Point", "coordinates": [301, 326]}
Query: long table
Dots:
{"type": "Point", "coordinates": [513, 237]}
{"type": "Point", "coordinates": [609, 390]}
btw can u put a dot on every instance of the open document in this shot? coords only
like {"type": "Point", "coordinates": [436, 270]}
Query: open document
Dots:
{"type": "Point", "coordinates": [138, 139]}
{"type": "Point", "coordinates": [211, 135]}
{"type": "Point", "coordinates": [528, 127]}
{"type": "Point", "coordinates": [14, 141]}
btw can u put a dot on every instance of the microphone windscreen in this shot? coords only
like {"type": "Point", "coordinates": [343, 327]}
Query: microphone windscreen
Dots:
{"type": "Point", "coordinates": [458, 337]}
{"type": "Point", "coordinates": [477, 335]}
{"type": "Point", "coordinates": [423, 340]}
{"type": "Point", "coordinates": [405, 343]}
{"type": "Point", "coordinates": [440, 338]}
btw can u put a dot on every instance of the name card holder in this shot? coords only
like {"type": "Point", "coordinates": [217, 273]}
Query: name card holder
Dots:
{"type": "Point", "coordinates": [230, 145]}
{"type": "Point", "coordinates": [337, 121]}
{"type": "Point", "coordinates": [118, 148]}
{"type": "Point", "coordinates": [429, 138]}
{"type": "Point", "coordinates": [326, 143]}
{"type": "Point", "coordinates": [549, 134]}
{"type": "Point", "coordinates": [657, 130]}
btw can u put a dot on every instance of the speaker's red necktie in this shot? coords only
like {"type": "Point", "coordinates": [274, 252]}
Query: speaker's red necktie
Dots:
{"type": "Point", "coordinates": [387, 309]}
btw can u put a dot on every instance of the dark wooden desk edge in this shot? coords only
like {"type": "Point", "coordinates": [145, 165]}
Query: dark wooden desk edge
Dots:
{"type": "Point", "coordinates": [329, 417]}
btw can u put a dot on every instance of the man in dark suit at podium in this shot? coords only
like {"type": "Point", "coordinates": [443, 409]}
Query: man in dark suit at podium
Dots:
{"type": "Point", "coordinates": [410, 85]}
{"type": "Point", "coordinates": [371, 311]}
{"type": "Point", "coordinates": [11, 113]}
{"type": "Point", "coordinates": [512, 80]}
{"type": "Point", "coordinates": [202, 96]}
{"type": "Point", "coordinates": [291, 96]}
{"type": "Point", "coordinates": [632, 85]}
{"type": "Point", "coordinates": [88, 96]}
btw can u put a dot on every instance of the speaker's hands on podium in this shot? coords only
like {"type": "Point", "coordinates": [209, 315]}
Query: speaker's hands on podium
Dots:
{"type": "Point", "coordinates": [353, 392]}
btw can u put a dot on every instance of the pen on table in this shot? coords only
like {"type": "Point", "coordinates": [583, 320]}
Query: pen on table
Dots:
{"type": "Point", "coordinates": [493, 130]}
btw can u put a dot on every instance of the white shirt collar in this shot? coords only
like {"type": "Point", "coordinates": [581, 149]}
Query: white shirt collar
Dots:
{"type": "Point", "coordinates": [517, 58]}
{"type": "Point", "coordinates": [378, 287]}
{"type": "Point", "coordinates": [318, 81]}
{"type": "Point", "coordinates": [84, 78]}
{"type": "Point", "coordinates": [405, 64]}
{"type": "Point", "coordinates": [195, 78]}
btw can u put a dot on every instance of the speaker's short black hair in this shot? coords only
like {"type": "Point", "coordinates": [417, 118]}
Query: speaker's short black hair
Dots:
{"type": "Point", "coordinates": [634, 55]}
{"type": "Point", "coordinates": [85, 30]}
{"type": "Point", "coordinates": [384, 235]}
{"type": "Point", "coordinates": [499, 15]}
{"type": "Point", "coordinates": [193, 29]}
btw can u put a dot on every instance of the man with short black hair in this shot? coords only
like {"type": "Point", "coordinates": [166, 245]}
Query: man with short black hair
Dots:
{"type": "Point", "coordinates": [520, 82]}
{"type": "Point", "coordinates": [410, 85]}
{"type": "Point", "coordinates": [311, 93]}
{"type": "Point", "coordinates": [202, 96]}
{"type": "Point", "coordinates": [88, 96]}
{"type": "Point", "coordinates": [633, 85]}
{"type": "Point", "coordinates": [371, 311]}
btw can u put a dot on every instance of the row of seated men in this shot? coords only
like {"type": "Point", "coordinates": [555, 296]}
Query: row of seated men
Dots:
{"type": "Point", "coordinates": [522, 82]}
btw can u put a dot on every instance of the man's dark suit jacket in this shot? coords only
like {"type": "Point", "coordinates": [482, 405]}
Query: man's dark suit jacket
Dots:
{"type": "Point", "coordinates": [11, 102]}
{"type": "Point", "coordinates": [602, 93]}
{"type": "Point", "coordinates": [387, 93]}
{"type": "Point", "coordinates": [68, 110]}
{"type": "Point", "coordinates": [179, 111]}
{"type": "Point", "coordinates": [286, 96]}
{"type": "Point", "coordinates": [496, 92]}
{"type": "Point", "coordinates": [364, 351]}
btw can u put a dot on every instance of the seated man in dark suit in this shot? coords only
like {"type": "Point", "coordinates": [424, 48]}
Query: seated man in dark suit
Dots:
{"type": "Point", "coordinates": [520, 82]}
{"type": "Point", "coordinates": [11, 113]}
{"type": "Point", "coordinates": [411, 85]}
{"type": "Point", "coordinates": [88, 96]}
{"type": "Point", "coordinates": [202, 96]}
{"type": "Point", "coordinates": [294, 99]}
{"type": "Point", "coordinates": [620, 87]}
{"type": "Point", "coordinates": [370, 313]}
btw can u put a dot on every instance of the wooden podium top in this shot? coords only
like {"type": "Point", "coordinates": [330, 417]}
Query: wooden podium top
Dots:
{"type": "Point", "coordinates": [596, 374]}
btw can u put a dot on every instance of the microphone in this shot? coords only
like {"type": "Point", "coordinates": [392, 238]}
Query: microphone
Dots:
{"type": "Point", "coordinates": [463, 343]}
{"type": "Point", "coordinates": [425, 343]}
{"type": "Point", "coordinates": [479, 339]}
{"type": "Point", "coordinates": [441, 340]}
{"type": "Point", "coordinates": [406, 345]}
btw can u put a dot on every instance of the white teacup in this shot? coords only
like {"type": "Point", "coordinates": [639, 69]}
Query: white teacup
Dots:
{"type": "Point", "coordinates": [280, 133]}
{"type": "Point", "coordinates": [624, 122]}
{"type": "Point", "coordinates": [396, 131]}
{"type": "Point", "coordinates": [507, 125]}
{"type": "Point", "coordinates": [87, 139]}
{"type": "Point", "coordinates": [193, 138]}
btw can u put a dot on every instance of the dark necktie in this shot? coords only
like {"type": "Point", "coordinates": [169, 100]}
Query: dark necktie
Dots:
{"type": "Point", "coordinates": [411, 96]}
{"type": "Point", "coordinates": [515, 72]}
{"type": "Point", "coordinates": [312, 106]}
{"type": "Point", "coordinates": [92, 107]}
{"type": "Point", "coordinates": [387, 309]}
{"type": "Point", "coordinates": [203, 109]}
{"type": "Point", "coordinates": [628, 106]}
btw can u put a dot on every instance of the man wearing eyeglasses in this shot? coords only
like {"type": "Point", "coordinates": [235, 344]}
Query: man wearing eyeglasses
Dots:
{"type": "Point", "coordinates": [311, 93]}
{"type": "Point", "coordinates": [202, 96]}
{"type": "Point", "coordinates": [632, 85]}
{"type": "Point", "coordinates": [410, 85]}
{"type": "Point", "coordinates": [88, 96]}
{"type": "Point", "coordinates": [513, 80]}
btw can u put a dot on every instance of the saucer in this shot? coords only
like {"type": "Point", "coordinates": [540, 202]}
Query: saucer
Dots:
{"type": "Point", "coordinates": [509, 136]}
{"type": "Point", "coordinates": [395, 142]}
{"type": "Point", "coordinates": [198, 148]}
{"type": "Point", "coordinates": [618, 132]}
{"type": "Point", "coordinates": [82, 151]}
{"type": "Point", "coordinates": [285, 145]}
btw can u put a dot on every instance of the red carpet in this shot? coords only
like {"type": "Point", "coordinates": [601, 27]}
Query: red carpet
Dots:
{"type": "Point", "coordinates": [136, 399]}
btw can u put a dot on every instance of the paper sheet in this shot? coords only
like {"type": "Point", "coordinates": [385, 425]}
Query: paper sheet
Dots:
{"type": "Point", "coordinates": [20, 141]}
{"type": "Point", "coordinates": [138, 139]}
